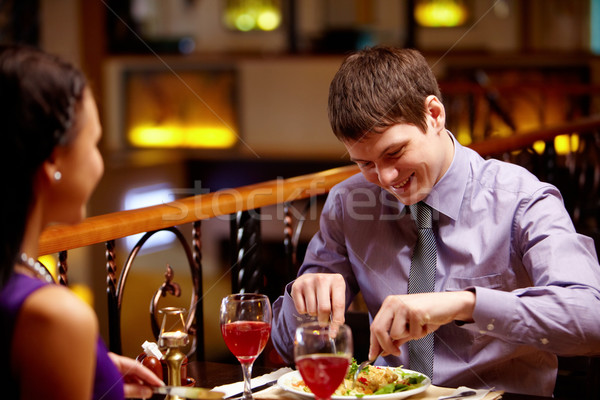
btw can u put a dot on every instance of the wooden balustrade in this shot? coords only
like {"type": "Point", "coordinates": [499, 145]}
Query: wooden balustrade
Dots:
{"type": "Point", "coordinates": [119, 224]}
{"type": "Point", "coordinates": [124, 223]}
{"type": "Point", "coordinates": [245, 231]}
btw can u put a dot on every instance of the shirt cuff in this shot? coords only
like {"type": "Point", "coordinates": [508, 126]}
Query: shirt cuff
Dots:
{"type": "Point", "coordinates": [491, 314]}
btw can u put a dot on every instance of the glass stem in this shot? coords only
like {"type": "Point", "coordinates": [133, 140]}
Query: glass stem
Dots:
{"type": "Point", "coordinates": [247, 369]}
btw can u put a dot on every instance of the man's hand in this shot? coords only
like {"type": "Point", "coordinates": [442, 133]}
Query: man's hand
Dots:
{"type": "Point", "coordinates": [138, 379]}
{"type": "Point", "coordinates": [412, 316]}
{"type": "Point", "coordinates": [322, 296]}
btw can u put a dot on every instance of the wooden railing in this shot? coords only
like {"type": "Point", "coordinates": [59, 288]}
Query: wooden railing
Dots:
{"type": "Point", "coordinates": [116, 225]}
{"type": "Point", "coordinates": [582, 166]}
{"type": "Point", "coordinates": [124, 223]}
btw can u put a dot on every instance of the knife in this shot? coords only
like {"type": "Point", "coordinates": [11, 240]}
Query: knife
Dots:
{"type": "Point", "coordinates": [253, 390]}
{"type": "Point", "coordinates": [188, 392]}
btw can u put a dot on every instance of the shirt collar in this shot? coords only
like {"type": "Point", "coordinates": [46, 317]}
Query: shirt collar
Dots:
{"type": "Point", "coordinates": [447, 195]}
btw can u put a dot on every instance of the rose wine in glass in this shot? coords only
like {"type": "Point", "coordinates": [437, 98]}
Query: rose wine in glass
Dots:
{"type": "Point", "coordinates": [322, 356]}
{"type": "Point", "coordinates": [246, 325]}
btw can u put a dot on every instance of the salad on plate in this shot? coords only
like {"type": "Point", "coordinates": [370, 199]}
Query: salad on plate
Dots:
{"type": "Point", "coordinates": [373, 380]}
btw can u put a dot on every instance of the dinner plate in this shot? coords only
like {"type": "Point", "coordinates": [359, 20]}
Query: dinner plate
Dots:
{"type": "Point", "coordinates": [286, 380]}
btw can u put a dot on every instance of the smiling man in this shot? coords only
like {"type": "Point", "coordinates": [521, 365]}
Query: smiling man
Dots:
{"type": "Point", "coordinates": [512, 283]}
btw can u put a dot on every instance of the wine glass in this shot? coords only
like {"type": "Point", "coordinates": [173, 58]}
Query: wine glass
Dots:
{"type": "Point", "coordinates": [323, 356]}
{"type": "Point", "coordinates": [246, 325]}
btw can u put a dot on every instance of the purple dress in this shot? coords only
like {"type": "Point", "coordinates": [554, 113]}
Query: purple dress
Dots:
{"type": "Point", "coordinates": [108, 383]}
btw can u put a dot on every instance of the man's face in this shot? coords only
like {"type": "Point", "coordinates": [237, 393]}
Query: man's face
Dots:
{"type": "Point", "coordinates": [403, 160]}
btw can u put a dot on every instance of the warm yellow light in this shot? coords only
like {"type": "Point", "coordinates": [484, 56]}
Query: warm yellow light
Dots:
{"type": "Point", "coordinates": [245, 22]}
{"type": "Point", "coordinates": [245, 16]}
{"type": "Point", "coordinates": [156, 136]}
{"type": "Point", "coordinates": [539, 146]}
{"type": "Point", "coordinates": [464, 137]}
{"type": "Point", "coordinates": [84, 293]}
{"type": "Point", "coordinates": [213, 137]}
{"type": "Point", "coordinates": [440, 13]}
{"type": "Point", "coordinates": [171, 136]}
{"type": "Point", "coordinates": [565, 144]}
{"type": "Point", "coordinates": [268, 19]}
{"type": "Point", "coordinates": [49, 261]}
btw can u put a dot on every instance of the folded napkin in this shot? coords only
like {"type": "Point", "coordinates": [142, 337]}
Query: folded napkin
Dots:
{"type": "Point", "coordinates": [432, 393]}
{"type": "Point", "coordinates": [238, 387]}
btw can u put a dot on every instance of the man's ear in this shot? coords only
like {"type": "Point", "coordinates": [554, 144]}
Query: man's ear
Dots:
{"type": "Point", "coordinates": [436, 112]}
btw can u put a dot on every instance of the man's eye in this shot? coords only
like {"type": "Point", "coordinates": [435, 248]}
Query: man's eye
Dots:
{"type": "Point", "coordinates": [363, 164]}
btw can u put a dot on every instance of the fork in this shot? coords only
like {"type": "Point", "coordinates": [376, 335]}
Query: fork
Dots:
{"type": "Point", "coordinates": [362, 366]}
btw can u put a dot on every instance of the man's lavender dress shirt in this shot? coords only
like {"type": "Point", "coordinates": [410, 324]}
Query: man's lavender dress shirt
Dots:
{"type": "Point", "coordinates": [500, 232]}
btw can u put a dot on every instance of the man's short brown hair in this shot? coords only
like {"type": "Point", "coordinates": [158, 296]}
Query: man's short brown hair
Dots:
{"type": "Point", "coordinates": [379, 87]}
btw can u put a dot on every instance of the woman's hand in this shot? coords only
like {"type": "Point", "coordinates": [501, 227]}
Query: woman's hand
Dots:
{"type": "Point", "coordinates": [138, 380]}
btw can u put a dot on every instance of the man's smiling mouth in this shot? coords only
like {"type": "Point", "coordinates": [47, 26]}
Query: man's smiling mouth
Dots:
{"type": "Point", "coordinates": [404, 182]}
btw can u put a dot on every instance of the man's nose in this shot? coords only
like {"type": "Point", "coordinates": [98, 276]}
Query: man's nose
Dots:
{"type": "Point", "coordinates": [387, 175]}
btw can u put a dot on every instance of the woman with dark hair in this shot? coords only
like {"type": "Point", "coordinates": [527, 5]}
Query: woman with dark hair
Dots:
{"type": "Point", "coordinates": [51, 163]}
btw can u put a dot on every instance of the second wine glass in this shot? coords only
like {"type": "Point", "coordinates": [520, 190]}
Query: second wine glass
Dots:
{"type": "Point", "coordinates": [323, 356]}
{"type": "Point", "coordinates": [246, 325]}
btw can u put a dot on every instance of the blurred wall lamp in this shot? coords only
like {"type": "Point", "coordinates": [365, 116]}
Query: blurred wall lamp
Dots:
{"type": "Point", "coordinates": [563, 144]}
{"type": "Point", "coordinates": [440, 13]}
{"type": "Point", "coordinates": [178, 136]}
{"type": "Point", "coordinates": [252, 15]}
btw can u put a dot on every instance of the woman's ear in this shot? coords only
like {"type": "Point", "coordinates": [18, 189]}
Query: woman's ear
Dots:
{"type": "Point", "coordinates": [51, 169]}
{"type": "Point", "coordinates": [436, 112]}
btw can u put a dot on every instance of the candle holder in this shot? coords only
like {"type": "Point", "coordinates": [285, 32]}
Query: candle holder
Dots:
{"type": "Point", "coordinates": [173, 337]}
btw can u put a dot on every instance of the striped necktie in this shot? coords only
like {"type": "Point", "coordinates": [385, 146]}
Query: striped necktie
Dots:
{"type": "Point", "coordinates": [422, 280]}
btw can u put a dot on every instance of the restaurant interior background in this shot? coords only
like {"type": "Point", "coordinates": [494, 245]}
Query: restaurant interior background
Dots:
{"type": "Point", "coordinates": [199, 95]}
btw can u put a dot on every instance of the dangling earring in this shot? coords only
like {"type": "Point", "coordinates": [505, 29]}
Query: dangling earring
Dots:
{"type": "Point", "coordinates": [57, 176]}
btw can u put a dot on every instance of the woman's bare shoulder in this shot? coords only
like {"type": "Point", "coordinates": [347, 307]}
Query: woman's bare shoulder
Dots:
{"type": "Point", "coordinates": [59, 331]}
{"type": "Point", "coordinates": [57, 304]}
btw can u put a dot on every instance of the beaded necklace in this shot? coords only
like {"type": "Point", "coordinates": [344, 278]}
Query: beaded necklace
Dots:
{"type": "Point", "coordinates": [36, 267]}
